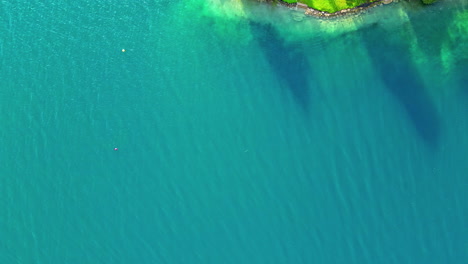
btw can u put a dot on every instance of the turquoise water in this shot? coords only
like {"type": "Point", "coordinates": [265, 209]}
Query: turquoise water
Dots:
{"type": "Point", "coordinates": [245, 133]}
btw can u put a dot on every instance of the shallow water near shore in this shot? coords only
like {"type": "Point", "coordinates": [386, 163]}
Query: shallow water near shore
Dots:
{"type": "Point", "coordinates": [246, 133]}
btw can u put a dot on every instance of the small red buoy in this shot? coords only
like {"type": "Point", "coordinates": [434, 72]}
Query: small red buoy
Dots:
{"type": "Point", "coordinates": [116, 149]}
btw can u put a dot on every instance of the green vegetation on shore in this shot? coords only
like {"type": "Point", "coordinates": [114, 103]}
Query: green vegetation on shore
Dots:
{"type": "Point", "coordinates": [330, 6]}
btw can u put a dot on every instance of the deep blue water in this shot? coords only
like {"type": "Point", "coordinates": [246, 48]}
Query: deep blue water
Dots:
{"type": "Point", "coordinates": [245, 133]}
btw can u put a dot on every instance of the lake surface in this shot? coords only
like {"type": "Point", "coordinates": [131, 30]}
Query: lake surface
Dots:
{"type": "Point", "coordinates": [244, 133]}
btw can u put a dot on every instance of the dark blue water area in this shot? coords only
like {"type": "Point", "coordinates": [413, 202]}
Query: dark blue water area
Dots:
{"type": "Point", "coordinates": [462, 77]}
{"type": "Point", "coordinates": [392, 61]}
{"type": "Point", "coordinates": [288, 60]}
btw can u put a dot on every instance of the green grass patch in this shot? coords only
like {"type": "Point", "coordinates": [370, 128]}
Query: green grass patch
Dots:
{"type": "Point", "coordinates": [330, 6]}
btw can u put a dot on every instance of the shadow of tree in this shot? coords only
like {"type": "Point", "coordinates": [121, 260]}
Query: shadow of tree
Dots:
{"type": "Point", "coordinates": [393, 63]}
{"type": "Point", "coordinates": [430, 28]}
{"type": "Point", "coordinates": [460, 72]}
{"type": "Point", "coordinates": [288, 61]}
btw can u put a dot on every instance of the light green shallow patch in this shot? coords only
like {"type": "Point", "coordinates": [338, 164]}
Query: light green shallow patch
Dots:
{"type": "Point", "coordinates": [455, 49]}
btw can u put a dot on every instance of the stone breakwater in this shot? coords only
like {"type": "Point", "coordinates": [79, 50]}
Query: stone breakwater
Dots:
{"type": "Point", "coordinates": [322, 14]}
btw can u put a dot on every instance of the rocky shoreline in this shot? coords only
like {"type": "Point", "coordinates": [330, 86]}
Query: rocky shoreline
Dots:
{"type": "Point", "coordinates": [322, 14]}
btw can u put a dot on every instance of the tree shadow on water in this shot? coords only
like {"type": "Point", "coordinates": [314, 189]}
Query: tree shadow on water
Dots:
{"type": "Point", "coordinates": [460, 73]}
{"type": "Point", "coordinates": [394, 66]}
{"type": "Point", "coordinates": [288, 61]}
